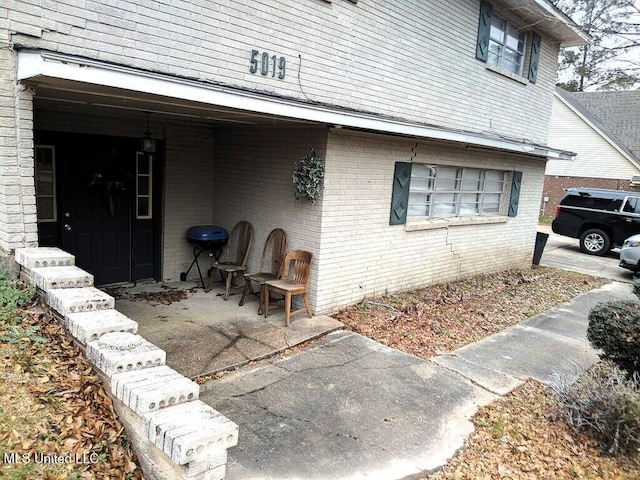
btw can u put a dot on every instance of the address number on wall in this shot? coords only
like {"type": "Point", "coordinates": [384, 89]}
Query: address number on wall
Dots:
{"type": "Point", "coordinates": [266, 64]}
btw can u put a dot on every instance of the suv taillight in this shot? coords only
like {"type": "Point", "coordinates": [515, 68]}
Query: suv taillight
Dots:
{"type": "Point", "coordinates": [557, 211]}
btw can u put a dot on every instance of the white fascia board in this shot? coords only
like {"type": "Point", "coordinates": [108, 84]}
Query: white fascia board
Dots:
{"type": "Point", "coordinates": [38, 64]}
{"type": "Point", "coordinates": [582, 37]}
{"type": "Point", "coordinates": [606, 137]}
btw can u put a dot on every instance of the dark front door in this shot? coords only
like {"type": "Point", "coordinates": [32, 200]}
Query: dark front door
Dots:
{"type": "Point", "coordinates": [96, 185]}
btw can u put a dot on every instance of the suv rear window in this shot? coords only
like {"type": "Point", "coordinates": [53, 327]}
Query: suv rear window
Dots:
{"type": "Point", "coordinates": [597, 203]}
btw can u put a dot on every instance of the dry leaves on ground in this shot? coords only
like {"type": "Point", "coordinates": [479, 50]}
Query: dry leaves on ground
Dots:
{"type": "Point", "coordinates": [442, 318]}
{"type": "Point", "coordinates": [53, 408]}
{"type": "Point", "coordinates": [522, 437]}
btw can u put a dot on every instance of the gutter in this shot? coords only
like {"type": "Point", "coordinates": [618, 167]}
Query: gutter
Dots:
{"type": "Point", "coordinates": [38, 66]}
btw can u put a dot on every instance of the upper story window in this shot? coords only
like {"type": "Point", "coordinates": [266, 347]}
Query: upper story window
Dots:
{"type": "Point", "coordinates": [506, 46]}
{"type": "Point", "coordinates": [503, 45]}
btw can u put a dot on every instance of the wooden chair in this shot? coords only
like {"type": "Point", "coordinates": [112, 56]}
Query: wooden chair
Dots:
{"type": "Point", "coordinates": [294, 281]}
{"type": "Point", "coordinates": [235, 255]}
{"type": "Point", "coordinates": [273, 252]}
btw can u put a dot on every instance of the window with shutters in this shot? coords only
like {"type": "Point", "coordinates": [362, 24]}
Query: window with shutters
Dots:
{"type": "Point", "coordinates": [438, 191]}
{"type": "Point", "coordinates": [505, 47]}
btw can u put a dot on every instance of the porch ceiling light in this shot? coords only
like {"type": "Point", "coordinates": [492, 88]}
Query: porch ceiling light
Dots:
{"type": "Point", "coordinates": [148, 143]}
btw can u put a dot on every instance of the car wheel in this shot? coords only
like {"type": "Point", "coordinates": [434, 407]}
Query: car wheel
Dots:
{"type": "Point", "coordinates": [595, 242]}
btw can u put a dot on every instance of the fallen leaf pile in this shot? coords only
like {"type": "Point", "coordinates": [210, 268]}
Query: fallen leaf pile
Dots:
{"type": "Point", "coordinates": [55, 417]}
{"type": "Point", "coordinates": [442, 318]}
{"type": "Point", "coordinates": [521, 437]}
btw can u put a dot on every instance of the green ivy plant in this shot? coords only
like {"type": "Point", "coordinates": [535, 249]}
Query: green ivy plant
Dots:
{"type": "Point", "coordinates": [307, 177]}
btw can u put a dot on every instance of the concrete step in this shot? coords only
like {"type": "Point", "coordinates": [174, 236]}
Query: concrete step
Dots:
{"type": "Point", "coordinates": [191, 432]}
{"type": "Point", "coordinates": [119, 352]}
{"type": "Point", "coordinates": [154, 388]}
{"type": "Point", "coordinates": [43, 257]}
{"type": "Point", "coordinates": [90, 326]}
{"type": "Point", "coordinates": [48, 278]}
{"type": "Point", "coordinates": [72, 300]}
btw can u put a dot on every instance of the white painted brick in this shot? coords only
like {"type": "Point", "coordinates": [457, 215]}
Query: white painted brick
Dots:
{"type": "Point", "coordinates": [48, 278]}
{"type": "Point", "coordinates": [43, 257]}
{"type": "Point", "coordinates": [89, 326]}
{"type": "Point", "coordinates": [71, 300]}
{"type": "Point", "coordinates": [109, 360]}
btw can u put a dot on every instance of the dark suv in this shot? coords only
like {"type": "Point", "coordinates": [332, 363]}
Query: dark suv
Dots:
{"type": "Point", "coordinates": [601, 219]}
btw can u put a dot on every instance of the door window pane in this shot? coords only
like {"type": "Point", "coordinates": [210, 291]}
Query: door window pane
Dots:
{"type": "Point", "coordinates": [45, 180]}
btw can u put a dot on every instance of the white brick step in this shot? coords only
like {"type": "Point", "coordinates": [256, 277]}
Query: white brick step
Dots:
{"type": "Point", "coordinates": [119, 352]}
{"type": "Point", "coordinates": [89, 326]}
{"type": "Point", "coordinates": [190, 431]}
{"type": "Point", "coordinates": [153, 388]}
{"type": "Point", "coordinates": [43, 257]}
{"type": "Point", "coordinates": [47, 278]}
{"type": "Point", "coordinates": [71, 300]}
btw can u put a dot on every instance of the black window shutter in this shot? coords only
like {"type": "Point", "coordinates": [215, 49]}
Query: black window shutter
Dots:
{"type": "Point", "coordinates": [484, 31]}
{"type": "Point", "coordinates": [534, 58]}
{"type": "Point", "coordinates": [515, 194]}
{"type": "Point", "coordinates": [400, 193]}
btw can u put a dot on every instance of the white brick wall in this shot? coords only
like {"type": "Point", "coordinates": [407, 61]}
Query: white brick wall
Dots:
{"type": "Point", "coordinates": [363, 255]}
{"type": "Point", "coordinates": [407, 59]}
{"type": "Point", "coordinates": [357, 252]}
{"type": "Point", "coordinates": [17, 191]}
{"type": "Point", "coordinates": [252, 181]}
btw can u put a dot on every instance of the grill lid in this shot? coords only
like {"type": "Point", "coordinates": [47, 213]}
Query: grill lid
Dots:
{"type": "Point", "coordinates": [207, 233]}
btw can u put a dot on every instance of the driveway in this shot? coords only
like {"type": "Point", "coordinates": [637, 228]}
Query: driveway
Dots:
{"type": "Point", "coordinates": [564, 252]}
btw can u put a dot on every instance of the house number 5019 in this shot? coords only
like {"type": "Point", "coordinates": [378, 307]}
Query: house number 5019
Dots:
{"type": "Point", "coordinates": [267, 64]}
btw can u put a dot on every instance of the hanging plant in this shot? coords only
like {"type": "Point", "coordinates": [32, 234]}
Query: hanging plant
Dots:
{"type": "Point", "coordinates": [307, 177]}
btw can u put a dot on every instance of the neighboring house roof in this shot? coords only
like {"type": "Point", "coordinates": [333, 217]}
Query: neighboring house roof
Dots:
{"type": "Point", "coordinates": [619, 112]}
{"type": "Point", "coordinates": [615, 115]}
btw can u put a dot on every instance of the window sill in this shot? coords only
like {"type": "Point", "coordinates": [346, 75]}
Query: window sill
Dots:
{"type": "Point", "coordinates": [434, 223]}
{"type": "Point", "coordinates": [508, 74]}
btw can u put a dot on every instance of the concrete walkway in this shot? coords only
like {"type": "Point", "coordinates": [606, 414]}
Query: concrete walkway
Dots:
{"type": "Point", "coordinates": [349, 408]}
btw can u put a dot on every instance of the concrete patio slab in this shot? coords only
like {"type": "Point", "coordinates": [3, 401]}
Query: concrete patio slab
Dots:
{"type": "Point", "coordinates": [203, 334]}
{"type": "Point", "coordinates": [345, 408]}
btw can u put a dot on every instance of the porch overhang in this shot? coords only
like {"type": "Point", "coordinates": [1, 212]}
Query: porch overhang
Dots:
{"type": "Point", "coordinates": [46, 68]}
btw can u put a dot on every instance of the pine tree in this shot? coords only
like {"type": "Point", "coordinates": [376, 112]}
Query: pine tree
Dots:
{"type": "Point", "coordinates": [612, 60]}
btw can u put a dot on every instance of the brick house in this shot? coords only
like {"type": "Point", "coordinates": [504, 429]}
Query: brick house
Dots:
{"type": "Point", "coordinates": [431, 119]}
{"type": "Point", "coordinates": [603, 128]}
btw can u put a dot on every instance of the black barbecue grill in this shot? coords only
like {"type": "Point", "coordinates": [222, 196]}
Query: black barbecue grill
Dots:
{"type": "Point", "coordinates": [205, 238]}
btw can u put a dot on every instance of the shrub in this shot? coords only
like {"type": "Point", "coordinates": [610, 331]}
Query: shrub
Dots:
{"type": "Point", "coordinates": [614, 327]}
{"type": "Point", "coordinates": [13, 296]}
{"type": "Point", "coordinates": [604, 403]}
